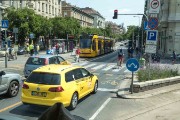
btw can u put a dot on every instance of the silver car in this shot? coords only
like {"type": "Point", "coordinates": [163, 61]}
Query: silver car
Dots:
{"type": "Point", "coordinates": [9, 83]}
{"type": "Point", "coordinates": [34, 62]}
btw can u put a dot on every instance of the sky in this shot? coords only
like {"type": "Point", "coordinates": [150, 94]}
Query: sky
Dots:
{"type": "Point", "coordinates": [106, 9]}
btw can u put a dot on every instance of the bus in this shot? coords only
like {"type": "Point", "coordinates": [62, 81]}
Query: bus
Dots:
{"type": "Point", "coordinates": [94, 45]}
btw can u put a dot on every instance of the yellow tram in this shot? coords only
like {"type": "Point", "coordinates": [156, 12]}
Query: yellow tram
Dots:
{"type": "Point", "coordinates": [94, 45]}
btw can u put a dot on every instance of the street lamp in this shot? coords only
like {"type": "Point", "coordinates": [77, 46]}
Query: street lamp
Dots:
{"type": "Point", "coordinates": [138, 30]}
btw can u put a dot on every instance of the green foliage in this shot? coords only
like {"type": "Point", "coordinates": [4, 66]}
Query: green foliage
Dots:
{"type": "Point", "coordinates": [156, 73]}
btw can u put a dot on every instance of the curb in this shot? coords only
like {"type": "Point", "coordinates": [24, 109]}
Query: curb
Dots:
{"type": "Point", "coordinates": [149, 93]}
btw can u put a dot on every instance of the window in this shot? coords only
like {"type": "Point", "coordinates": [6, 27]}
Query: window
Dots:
{"type": "Point", "coordinates": [44, 78]}
{"type": "Point", "coordinates": [36, 61]}
{"type": "Point", "coordinates": [60, 59]}
{"type": "Point", "coordinates": [78, 74]}
{"type": "Point", "coordinates": [69, 76]}
{"type": "Point", "coordinates": [85, 73]}
{"type": "Point", "coordinates": [53, 60]}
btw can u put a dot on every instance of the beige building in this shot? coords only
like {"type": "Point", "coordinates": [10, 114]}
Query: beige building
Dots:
{"type": "Point", "coordinates": [46, 8]}
{"type": "Point", "coordinates": [69, 10]}
{"type": "Point", "coordinates": [99, 20]}
{"type": "Point", "coordinates": [168, 27]}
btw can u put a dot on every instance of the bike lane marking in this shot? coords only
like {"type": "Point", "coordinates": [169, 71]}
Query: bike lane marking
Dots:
{"type": "Point", "coordinates": [100, 109]}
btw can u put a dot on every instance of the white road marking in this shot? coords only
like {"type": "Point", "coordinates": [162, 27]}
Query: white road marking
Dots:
{"type": "Point", "coordinates": [84, 63]}
{"type": "Point", "coordinates": [89, 65]}
{"type": "Point", "coordinates": [117, 70]}
{"type": "Point", "coordinates": [108, 68]}
{"type": "Point", "coordinates": [108, 90]}
{"type": "Point", "coordinates": [127, 71]}
{"type": "Point", "coordinates": [98, 67]}
{"type": "Point", "coordinates": [99, 110]}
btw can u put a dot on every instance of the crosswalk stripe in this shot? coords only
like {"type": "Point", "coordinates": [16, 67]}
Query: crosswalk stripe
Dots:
{"type": "Point", "coordinates": [117, 70]}
{"type": "Point", "coordinates": [108, 68]}
{"type": "Point", "coordinates": [89, 65]}
{"type": "Point", "coordinates": [98, 67]}
{"type": "Point", "coordinates": [84, 63]}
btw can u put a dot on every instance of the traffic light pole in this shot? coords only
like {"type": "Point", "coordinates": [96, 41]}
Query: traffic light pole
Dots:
{"type": "Point", "coordinates": [136, 14]}
{"type": "Point", "coordinates": [6, 49]}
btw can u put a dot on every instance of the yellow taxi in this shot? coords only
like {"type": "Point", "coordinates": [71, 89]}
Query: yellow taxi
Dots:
{"type": "Point", "coordinates": [50, 84]}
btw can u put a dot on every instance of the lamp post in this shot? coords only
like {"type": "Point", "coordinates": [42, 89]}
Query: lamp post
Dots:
{"type": "Point", "coordinates": [138, 30]}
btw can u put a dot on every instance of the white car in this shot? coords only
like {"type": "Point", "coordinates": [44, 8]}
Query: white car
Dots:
{"type": "Point", "coordinates": [9, 83]}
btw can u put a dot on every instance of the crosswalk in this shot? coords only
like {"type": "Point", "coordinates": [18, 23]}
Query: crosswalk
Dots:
{"type": "Point", "coordinates": [103, 67]}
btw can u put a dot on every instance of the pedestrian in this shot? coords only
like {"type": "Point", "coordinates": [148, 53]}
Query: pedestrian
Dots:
{"type": "Point", "coordinates": [174, 57]}
{"type": "Point", "coordinates": [120, 58]}
{"type": "Point", "coordinates": [31, 48]}
{"type": "Point", "coordinates": [57, 48]}
{"type": "Point", "coordinates": [27, 51]}
{"type": "Point", "coordinates": [10, 50]}
{"type": "Point", "coordinates": [37, 47]}
{"type": "Point", "coordinates": [77, 54]}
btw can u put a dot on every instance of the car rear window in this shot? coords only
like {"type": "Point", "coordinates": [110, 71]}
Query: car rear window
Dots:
{"type": "Point", "coordinates": [44, 78]}
{"type": "Point", "coordinates": [36, 61]}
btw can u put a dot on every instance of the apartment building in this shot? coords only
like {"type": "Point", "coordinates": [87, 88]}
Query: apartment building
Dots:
{"type": "Point", "coordinates": [68, 10]}
{"type": "Point", "coordinates": [99, 20]}
{"type": "Point", "coordinates": [168, 27]}
{"type": "Point", "coordinates": [116, 29]}
{"type": "Point", "coordinates": [46, 8]}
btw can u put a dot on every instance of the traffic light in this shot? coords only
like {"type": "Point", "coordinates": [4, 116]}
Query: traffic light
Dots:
{"type": "Point", "coordinates": [3, 35]}
{"type": "Point", "coordinates": [115, 14]}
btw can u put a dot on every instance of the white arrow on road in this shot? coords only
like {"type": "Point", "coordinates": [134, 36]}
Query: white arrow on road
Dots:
{"type": "Point", "coordinates": [129, 65]}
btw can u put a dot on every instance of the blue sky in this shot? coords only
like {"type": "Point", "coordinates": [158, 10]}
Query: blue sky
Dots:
{"type": "Point", "coordinates": [107, 7]}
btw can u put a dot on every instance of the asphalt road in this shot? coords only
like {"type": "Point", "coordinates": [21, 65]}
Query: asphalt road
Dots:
{"type": "Point", "coordinates": [110, 78]}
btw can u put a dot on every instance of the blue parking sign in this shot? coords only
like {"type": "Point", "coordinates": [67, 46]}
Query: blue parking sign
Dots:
{"type": "Point", "coordinates": [151, 36]}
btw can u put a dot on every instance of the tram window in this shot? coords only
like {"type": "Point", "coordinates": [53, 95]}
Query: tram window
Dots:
{"type": "Point", "coordinates": [94, 45]}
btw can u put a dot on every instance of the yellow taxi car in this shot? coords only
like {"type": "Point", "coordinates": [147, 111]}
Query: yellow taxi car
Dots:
{"type": "Point", "coordinates": [50, 84]}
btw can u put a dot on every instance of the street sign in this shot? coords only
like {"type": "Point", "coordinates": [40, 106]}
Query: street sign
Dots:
{"type": "Point", "coordinates": [146, 25]}
{"type": "Point", "coordinates": [31, 35]}
{"type": "Point", "coordinates": [151, 37]}
{"type": "Point", "coordinates": [4, 24]}
{"type": "Point", "coordinates": [154, 6]}
{"type": "Point", "coordinates": [153, 23]}
{"type": "Point", "coordinates": [150, 49]}
{"type": "Point", "coordinates": [132, 65]}
{"type": "Point", "coordinates": [15, 30]}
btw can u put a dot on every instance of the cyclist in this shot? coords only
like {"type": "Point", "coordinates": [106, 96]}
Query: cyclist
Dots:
{"type": "Point", "coordinates": [120, 57]}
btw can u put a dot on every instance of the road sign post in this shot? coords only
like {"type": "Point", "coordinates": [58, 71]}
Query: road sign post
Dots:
{"type": "Point", "coordinates": [5, 24]}
{"type": "Point", "coordinates": [132, 65]}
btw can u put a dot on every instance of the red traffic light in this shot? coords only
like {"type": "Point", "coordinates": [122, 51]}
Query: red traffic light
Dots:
{"type": "Point", "coordinates": [115, 14]}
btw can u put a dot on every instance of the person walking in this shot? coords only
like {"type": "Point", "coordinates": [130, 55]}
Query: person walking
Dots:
{"type": "Point", "coordinates": [77, 54]}
{"type": "Point", "coordinates": [120, 58]}
{"type": "Point", "coordinates": [174, 57]}
{"type": "Point", "coordinates": [27, 51]}
{"type": "Point", "coordinates": [31, 48]}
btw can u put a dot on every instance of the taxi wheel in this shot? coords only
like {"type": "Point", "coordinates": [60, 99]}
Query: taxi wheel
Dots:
{"type": "Point", "coordinates": [13, 89]}
{"type": "Point", "coordinates": [95, 87]}
{"type": "Point", "coordinates": [74, 101]}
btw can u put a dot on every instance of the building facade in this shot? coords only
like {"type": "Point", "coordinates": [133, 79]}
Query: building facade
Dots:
{"type": "Point", "coordinates": [46, 8]}
{"type": "Point", "coordinates": [168, 26]}
{"type": "Point", "coordinates": [69, 10]}
{"type": "Point", "coordinates": [99, 20]}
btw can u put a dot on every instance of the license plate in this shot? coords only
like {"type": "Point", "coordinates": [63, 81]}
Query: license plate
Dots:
{"type": "Point", "coordinates": [40, 94]}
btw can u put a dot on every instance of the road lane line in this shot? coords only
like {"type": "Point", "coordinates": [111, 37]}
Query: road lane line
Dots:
{"type": "Point", "coordinates": [99, 110]}
{"type": "Point", "coordinates": [11, 106]}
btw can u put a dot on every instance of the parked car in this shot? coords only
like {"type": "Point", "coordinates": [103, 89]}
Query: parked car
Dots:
{"type": "Point", "coordinates": [177, 56]}
{"type": "Point", "coordinates": [34, 62]}
{"type": "Point", "coordinates": [51, 84]}
{"type": "Point", "coordinates": [21, 50]}
{"type": "Point", "coordinates": [9, 83]}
